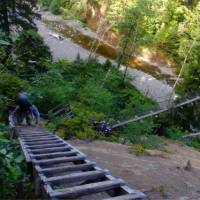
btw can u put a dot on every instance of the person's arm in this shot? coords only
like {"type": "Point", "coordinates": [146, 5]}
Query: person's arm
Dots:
{"type": "Point", "coordinates": [35, 113]}
{"type": "Point", "coordinates": [14, 116]}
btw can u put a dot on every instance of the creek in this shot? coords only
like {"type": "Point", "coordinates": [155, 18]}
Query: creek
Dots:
{"type": "Point", "coordinates": [79, 40]}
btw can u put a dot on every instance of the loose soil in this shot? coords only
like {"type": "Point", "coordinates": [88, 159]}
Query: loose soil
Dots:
{"type": "Point", "coordinates": [160, 175]}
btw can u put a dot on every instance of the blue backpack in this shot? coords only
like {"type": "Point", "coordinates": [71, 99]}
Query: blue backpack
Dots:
{"type": "Point", "coordinates": [23, 101]}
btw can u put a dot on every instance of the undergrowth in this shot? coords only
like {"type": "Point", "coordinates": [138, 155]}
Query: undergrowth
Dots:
{"type": "Point", "coordinates": [14, 177]}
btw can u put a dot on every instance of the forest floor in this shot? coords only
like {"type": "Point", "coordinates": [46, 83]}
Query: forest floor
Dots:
{"type": "Point", "coordinates": [161, 175]}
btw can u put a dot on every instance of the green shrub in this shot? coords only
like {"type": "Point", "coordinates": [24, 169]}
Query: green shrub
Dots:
{"type": "Point", "coordinates": [138, 149]}
{"type": "Point", "coordinates": [88, 133]}
{"type": "Point", "coordinates": [111, 138]}
{"type": "Point", "coordinates": [194, 142]}
{"type": "Point", "coordinates": [70, 128]}
{"type": "Point", "coordinates": [2, 108]}
{"type": "Point", "coordinates": [174, 133]}
{"type": "Point", "coordinates": [11, 85]}
{"type": "Point", "coordinates": [12, 165]}
{"type": "Point", "coordinates": [97, 98]}
{"type": "Point", "coordinates": [32, 53]}
{"type": "Point", "coordinates": [51, 90]}
{"type": "Point", "coordinates": [4, 42]}
{"type": "Point", "coordinates": [45, 2]}
{"type": "Point", "coordinates": [136, 131]}
{"type": "Point", "coordinates": [153, 142]}
{"type": "Point", "coordinates": [96, 92]}
{"type": "Point", "coordinates": [80, 126]}
{"type": "Point", "coordinates": [55, 7]}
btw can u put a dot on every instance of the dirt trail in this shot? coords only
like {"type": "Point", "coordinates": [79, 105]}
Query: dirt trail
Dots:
{"type": "Point", "coordinates": [162, 177]}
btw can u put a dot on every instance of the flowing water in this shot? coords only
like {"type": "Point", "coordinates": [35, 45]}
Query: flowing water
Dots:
{"type": "Point", "coordinates": [86, 39]}
{"type": "Point", "coordinates": [78, 40]}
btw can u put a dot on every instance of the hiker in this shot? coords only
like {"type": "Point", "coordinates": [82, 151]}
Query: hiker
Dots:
{"type": "Point", "coordinates": [105, 128]}
{"type": "Point", "coordinates": [25, 110]}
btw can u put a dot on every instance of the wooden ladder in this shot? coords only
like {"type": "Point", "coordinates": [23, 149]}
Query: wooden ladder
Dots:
{"type": "Point", "coordinates": [63, 172]}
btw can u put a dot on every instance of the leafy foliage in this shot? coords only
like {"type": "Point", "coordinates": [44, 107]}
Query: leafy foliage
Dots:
{"type": "Point", "coordinates": [4, 43]}
{"type": "Point", "coordinates": [55, 7]}
{"type": "Point", "coordinates": [194, 142]}
{"type": "Point", "coordinates": [45, 2]}
{"type": "Point", "coordinates": [174, 133]}
{"type": "Point", "coordinates": [11, 85]}
{"type": "Point", "coordinates": [12, 165]}
{"type": "Point", "coordinates": [32, 53]}
{"type": "Point", "coordinates": [94, 94]}
{"type": "Point", "coordinates": [18, 13]}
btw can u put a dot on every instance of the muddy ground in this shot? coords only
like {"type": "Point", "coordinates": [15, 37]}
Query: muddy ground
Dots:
{"type": "Point", "coordinates": [161, 175]}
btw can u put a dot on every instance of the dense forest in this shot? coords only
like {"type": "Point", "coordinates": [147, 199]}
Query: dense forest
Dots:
{"type": "Point", "coordinates": [94, 90]}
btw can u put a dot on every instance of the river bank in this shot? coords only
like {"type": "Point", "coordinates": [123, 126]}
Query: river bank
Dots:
{"type": "Point", "coordinates": [147, 60]}
{"type": "Point", "coordinates": [158, 90]}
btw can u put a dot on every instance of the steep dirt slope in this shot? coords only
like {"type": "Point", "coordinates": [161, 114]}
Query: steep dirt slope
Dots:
{"type": "Point", "coordinates": [160, 176]}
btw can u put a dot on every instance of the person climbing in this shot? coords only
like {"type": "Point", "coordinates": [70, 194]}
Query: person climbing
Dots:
{"type": "Point", "coordinates": [104, 128]}
{"type": "Point", "coordinates": [25, 110]}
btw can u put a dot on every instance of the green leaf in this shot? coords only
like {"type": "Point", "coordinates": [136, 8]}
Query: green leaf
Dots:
{"type": "Point", "coordinates": [3, 151]}
{"type": "Point", "coordinates": [19, 159]}
{"type": "Point", "coordinates": [3, 42]}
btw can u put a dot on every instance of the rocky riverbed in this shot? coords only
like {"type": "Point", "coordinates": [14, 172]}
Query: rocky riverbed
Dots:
{"type": "Point", "coordinates": [66, 48]}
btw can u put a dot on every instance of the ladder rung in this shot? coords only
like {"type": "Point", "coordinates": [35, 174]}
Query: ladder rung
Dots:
{"type": "Point", "coordinates": [75, 177]}
{"type": "Point", "coordinates": [50, 150]}
{"type": "Point", "coordinates": [44, 146]}
{"type": "Point", "coordinates": [135, 196]}
{"type": "Point", "coordinates": [44, 142]}
{"type": "Point", "coordinates": [34, 134]}
{"type": "Point", "coordinates": [59, 160]}
{"type": "Point", "coordinates": [38, 137]}
{"type": "Point", "coordinates": [40, 140]}
{"type": "Point", "coordinates": [54, 155]}
{"type": "Point", "coordinates": [92, 188]}
{"type": "Point", "coordinates": [79, 167]}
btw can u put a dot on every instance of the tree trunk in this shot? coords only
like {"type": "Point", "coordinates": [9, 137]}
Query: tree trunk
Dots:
{"type": "Point", "coordinates": [4, 11]}
{"type": "Point", "coordinates": [5, 27]}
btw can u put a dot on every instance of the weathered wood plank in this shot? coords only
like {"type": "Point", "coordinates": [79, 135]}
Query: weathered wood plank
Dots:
{"type": "Point", "coordinates": [54, 170]}
{"type": "Point", "coordinates": [49, 150]}
{"type": "Point", "coordinates": [123, 189]}
{"type": "Point", "coordinates": [75, 177]}
{"type": "Point", "coordinates": [136, 196]}
{"type": "Point", "coordinates": [50, 155]}
{"type": "Point", "coordinates": [44, 146]}
{"type": "Point", "coordinates": [30, 131]}
{"type": "Point", "coordinates": [40, 140]}
{"type": "Point", "coordinates": [53, 155]}
{"type": "Point", "coordinates": [92, 188]}
{"type": "Point", "coordinates": [59, 160]}
{"type": "Point", "coordinates": [35, 136]}
{"type": "Point", "coordinates": [26, 155]}
{"type": "Point", "coordinates": [44, 142]}
{"type": "Point", "coordinates": [35, 139]}
{"type": "Point", "coordinates": [32, 134]}
{"type": "Point", "coordinates": [39, 137]}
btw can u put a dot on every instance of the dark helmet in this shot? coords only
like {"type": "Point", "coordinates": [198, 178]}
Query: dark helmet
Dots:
{"type": "Point", "coordinates": [23, 100]}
